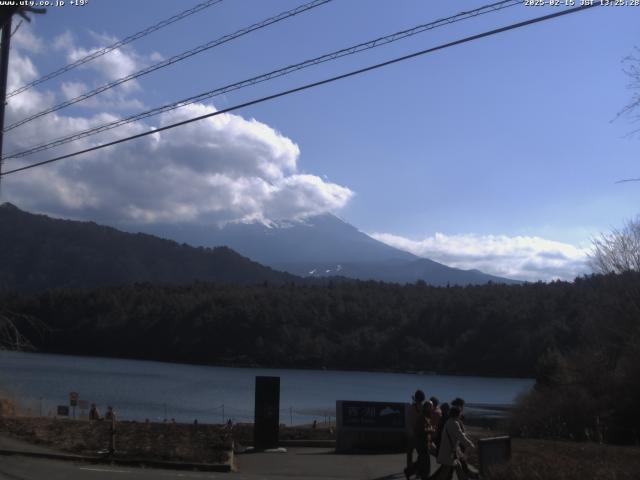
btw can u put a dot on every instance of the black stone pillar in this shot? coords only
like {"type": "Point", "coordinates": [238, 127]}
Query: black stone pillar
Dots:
{"type": "Point", "coordinates": [267, 413]}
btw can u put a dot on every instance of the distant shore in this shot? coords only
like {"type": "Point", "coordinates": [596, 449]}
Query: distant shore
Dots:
{"type": "Point", "coordinates": [265, 366]}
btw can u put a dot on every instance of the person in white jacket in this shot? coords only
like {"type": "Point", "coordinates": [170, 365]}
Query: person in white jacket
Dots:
{"type": "Point", "coordinates": [452, 436]}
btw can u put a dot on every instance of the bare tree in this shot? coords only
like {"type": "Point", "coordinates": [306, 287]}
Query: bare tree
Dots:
{"type": "Point", "coordinates": [632, 70]}
{"type": "Point", "coordinates": [632, 109]}
{"type": "Point", "coordinates": [619, 250]}
{"type": "Point", "coordinates": [11, 327]}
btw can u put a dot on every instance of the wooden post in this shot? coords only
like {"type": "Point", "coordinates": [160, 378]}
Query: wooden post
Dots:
{"type": "Point", "coordinates": [112, 439]}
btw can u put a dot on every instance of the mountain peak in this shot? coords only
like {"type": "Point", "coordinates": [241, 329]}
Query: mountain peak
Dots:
{"type": "Point", "coordinates": [7, 206]}
{"type": "Point", "coordinates": [324, 245]}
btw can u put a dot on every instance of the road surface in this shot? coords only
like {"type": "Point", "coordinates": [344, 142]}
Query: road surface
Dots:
{"type": "Point", "coordinates": [303, 463]}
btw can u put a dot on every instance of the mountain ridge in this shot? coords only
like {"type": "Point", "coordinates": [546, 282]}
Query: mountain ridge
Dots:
{"type": "Point", "coordinates": [97, 255]}
{"type": "Point", "coordinates": [327, 246]}
{"type": "Point", "coordinates": [39, 252]}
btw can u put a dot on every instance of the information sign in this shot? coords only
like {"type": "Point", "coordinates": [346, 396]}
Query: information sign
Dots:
{"type": "Point", "coordinates": [375, 415]}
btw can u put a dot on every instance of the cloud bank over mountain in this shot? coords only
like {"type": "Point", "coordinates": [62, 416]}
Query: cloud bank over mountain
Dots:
{"type": "Point", "coordinates": [225, 168]}
{"type": "Point", "coordinates": [521, 257]}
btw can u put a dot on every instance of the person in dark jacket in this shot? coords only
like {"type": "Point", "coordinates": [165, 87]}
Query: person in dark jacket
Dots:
{"type": "Point", "coordinates": [111, 414]}
{"type": "Point", "coordinates": [412, 417]}
{"type": "Point", "coordinates": [444, 409]}
{"type": "Point", "coordinates": [419, 437]}
{"type": "Point", "coordinates": [94, 413]}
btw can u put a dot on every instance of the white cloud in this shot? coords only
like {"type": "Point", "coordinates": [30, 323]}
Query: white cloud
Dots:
{"type": "Point", "coordinates": [64, 41]}
{"type": "Point", "coordinates": [114, 65]}
{"type": "Point", "coordinates": [25, 40]}
{"type": "Point", "coordinates": [73, 89]}
{"type": "Point", "coordinates": [520, 257]}
{"type": "Point", "coordinates": [305, 195]}
{"type": "Point", "coordinates": [109, 67]}
{"type": "Point", "coordinates": [21, 71]}
{"type": "Point", "coordinates": [225, 168]}
{"type": "Point", "coordinates": [156, 57]}
{"type": "Point", "coordinates": [111, 99]}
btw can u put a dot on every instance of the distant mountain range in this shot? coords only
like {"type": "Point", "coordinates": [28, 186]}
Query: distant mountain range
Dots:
{"type": "Point", "coordinates": [39, 252]}
{"type": "Point", "coordinates": [324, 246]}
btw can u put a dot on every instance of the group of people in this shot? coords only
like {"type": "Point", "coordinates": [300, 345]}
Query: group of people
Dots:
{"type": "Point", "coordinates": [94, 413]}
{"type": "Point", "coordinates": [437, 430]}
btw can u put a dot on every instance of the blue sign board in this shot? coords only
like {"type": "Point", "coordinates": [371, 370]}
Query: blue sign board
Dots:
{"type": "Point", "coordinates": [374, 415]}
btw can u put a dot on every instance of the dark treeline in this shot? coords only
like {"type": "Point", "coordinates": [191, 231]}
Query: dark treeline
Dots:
{"type": "Point", "coordinates": [591, 390]}
{"type": "Point", "coordinates": [520, 330]}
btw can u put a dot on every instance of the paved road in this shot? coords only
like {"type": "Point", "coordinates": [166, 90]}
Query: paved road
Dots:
{"type": "Point", "coordinates": [304, 463]}
{"type": "Point", "coordinates": [297, 462]}
{"type": "Point", "coordinates": [320, 463]}
{"type": "Point", "coordinates": [23, 468]}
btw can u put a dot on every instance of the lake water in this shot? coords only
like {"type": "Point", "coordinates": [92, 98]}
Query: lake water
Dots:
{"type": "Point", "coordinates": [156, 390]}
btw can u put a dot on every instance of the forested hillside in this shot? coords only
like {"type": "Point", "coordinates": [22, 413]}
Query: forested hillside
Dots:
{"type": "Point", "coordinates": [38, 252]}
{"type": "Point", "coordinates": [484, 330]}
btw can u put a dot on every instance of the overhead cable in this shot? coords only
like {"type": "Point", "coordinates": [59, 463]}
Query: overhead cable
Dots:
{"type": "Point", "coordinates": [102, 51]}
{"type": "Point", "coordinates": [174, 59]}
{"type": "Point", "coordinates": [267, 76]}
{"type": "Point", "coordinates": [308, 86]}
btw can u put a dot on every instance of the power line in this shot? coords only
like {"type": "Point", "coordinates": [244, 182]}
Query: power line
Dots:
{"type": "Point", "coordinates": [268, 76]}
{"type": "Point", "coordinates": [118, 44]}
{"type": "Point", "coordinates": [170, 61]}
{"type": "Point", "coordinates": [310, 85]}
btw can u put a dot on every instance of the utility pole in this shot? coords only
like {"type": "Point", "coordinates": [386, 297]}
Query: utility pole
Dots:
{"type": "Point", "coordinates": [4, 71]}
{"type": "Point", "coordinates": [5, 18]}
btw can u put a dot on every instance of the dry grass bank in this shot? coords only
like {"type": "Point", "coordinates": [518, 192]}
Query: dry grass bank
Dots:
{"type": "Point", "coordinates": [158, 441]}
{"type": "Point", "coordinates": [566, 460]}
{"type": "Point", "coordinates": [532, 459]}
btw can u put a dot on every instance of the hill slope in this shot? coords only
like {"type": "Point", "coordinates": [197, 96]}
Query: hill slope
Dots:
{"type": "Point", "coordinates": [38, 252]}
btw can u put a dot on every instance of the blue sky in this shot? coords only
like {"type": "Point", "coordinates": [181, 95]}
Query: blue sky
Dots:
{"type": "Point", "coordinates": [499, 154]}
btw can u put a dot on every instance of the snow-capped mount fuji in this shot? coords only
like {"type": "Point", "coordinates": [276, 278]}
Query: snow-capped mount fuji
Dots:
{"type": "Point", "coordinates": [324, 245]}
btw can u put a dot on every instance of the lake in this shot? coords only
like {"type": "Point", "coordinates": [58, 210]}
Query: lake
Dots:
{"type": "Point", "coordinates": [157, 390]}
